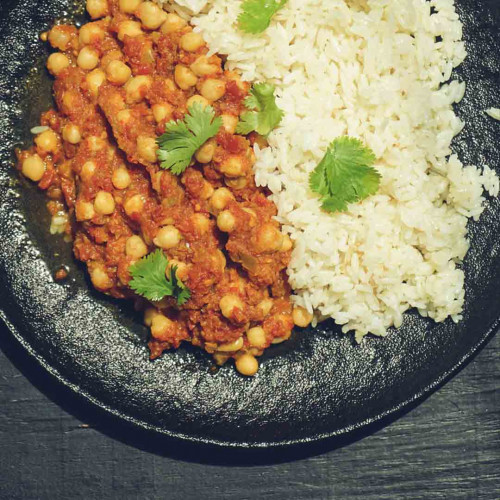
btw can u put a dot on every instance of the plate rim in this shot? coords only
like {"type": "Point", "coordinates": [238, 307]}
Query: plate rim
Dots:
{"type": "Point", "coordinates": [95, 403]}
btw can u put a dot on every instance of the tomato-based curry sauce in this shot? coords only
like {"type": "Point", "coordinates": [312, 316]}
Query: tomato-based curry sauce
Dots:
{"type": "Point", "coordinates": [118, 81]}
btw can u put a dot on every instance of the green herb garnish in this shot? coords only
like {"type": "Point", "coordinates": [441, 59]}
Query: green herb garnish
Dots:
{"type": "Point", "coordinates": [256, 15]}
{"type": "Point", "coordinates": [345, 174]}
{"type": "Point", "coordinates": [263, 115]}
{"type": "Point", "coordinates": [183, 138]}
{"type": "Point", "coordinates": [150, 281]}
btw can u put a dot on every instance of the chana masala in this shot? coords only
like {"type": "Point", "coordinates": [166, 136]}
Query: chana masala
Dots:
{"type": "Point", "coordinates": [119, 82]}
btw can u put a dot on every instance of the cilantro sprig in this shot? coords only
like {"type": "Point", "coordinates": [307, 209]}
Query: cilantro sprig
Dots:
{"type": "Point", "coordinates": [345, 174]}
{"type": "Point", "coordinates": [150, 281]}
{"type": "Point", "coordinates": [263, 115]}
{"type": "Point", "coordinates": [182, 138]}
{"type": "Point", "coordinates": [255, 15]}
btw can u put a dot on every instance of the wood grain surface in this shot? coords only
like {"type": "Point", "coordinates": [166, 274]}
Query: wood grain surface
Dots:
{"type": "Point", "coordinates": [55, 446]}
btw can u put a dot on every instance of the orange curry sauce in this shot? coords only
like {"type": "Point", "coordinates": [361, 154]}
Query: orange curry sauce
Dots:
{"type": "Point", "coordinates": [118, 81]}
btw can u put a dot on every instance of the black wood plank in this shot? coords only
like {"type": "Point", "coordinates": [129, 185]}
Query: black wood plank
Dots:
{"type": "Point", "coordinates": [53, 446]}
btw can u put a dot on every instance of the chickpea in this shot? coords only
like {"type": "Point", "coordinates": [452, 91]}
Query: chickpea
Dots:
{"type": "Point", "coordinates": [191, 41]}
{"type": "Point", "coordinates": [129, 28]}
{"type": "Point", "coordinates": [201, 223]}
{"type": "Point", "coordinates": [104, 203]}
{"type": "Point", "coordinates": [184, 77]}
{"type": "Point", "coordinates": [257, 337]}
{"type": "Point", "coordinates": [118, 72]}
{"type": "Point", "coordinates": [206, 191]}
{"type": "Point", "coordinates": [265, 306]}
{"type": "Point", "coordinates": [97, 8]}
{"type": "Point", "coordinates": [71, 133]}
{"type": "Point", "coordinates": [111, 55]}
{"type": "Point", "coordinates": [213, 89]}
{"type": "Point", "coordinates": [124, 116]}
{"type": "Point", "coordinates": [135, 247]}
{"type": "Point", "coordinates": [202, 67]}
{"type": "Point", "coordinates": [233, 166]}
{"type": "Point", "coordinates": [236, 77]}
{"type": "Point", "coordinates": [197, 99]}
{"type": "Point", "coordinates": [182, 269]}
{"type": "Point", "coordinates": [206, 152]}
{"type": "Point", "coordinates": [90, 33]}
{"type": "Point", "coordinates": [228, 303]}
{"type": "Point", "coordinates": [220, 199]}
{"type": "Point", "coordinates": [151, 15]}
{"type": "Point", "coordinates": [133, 205]}
{"type": "Point", "coordinates": [96, 143]}
{"type": "Point", "coordinates": [87, 171]}
{"type": "Point", "coordinates": [56, 63]}
{"type": "Point", "coordinates": [33, 168]}
{"type": "Point", "coordinates": [226, 221]}
{"type": "Point", "coordinates": [287, 244]}
{"type": "Point", "coordinates": [88, 58]}
{"type": "Point", "coordinates": [236, 183]}
{"type": "Point", "coordinates": [94, 80]}
{"type": "Point", "coordinates": [149, 314]}
{"type": "Point", "coordinates": [229, 123]}
{"type": "Point", "coordinates": [68, 100]}
{"type": "Point", "coordinates": [247, 365]}
{"type": "Point", "coordinates": [129, 6]}
{"type": "Point", "coordinates": [269, 238]}
{"type": "Point", "coordinates": [160, 325]}
{"type": "Point", "coordinates": [301, 316]}
{"type": "Point", "coordinates": [162, 112]}
{"type": "Point", "coordinates": [172, 23]}
{"type": "Point", "coordinates": [280, 340]}
{"type": "Point", "coordinates": [137, 88]}
{"type": "Point", "coordinates": [59, 37]}
{"type": "Point", "coordinates": [47, 142]}
{"type": "Point", "coordinates": [84, 210]}
{"type": "Point", "coordinates": [146, 148]}
{"type": "Point", "coordinates": [167, 237]}
{"type": "Point", "coordinates": [121, 178]}
{"type": "Point", "coordinates": [100, 278]}
{"type": "Point", "coordinates": [234, 346]}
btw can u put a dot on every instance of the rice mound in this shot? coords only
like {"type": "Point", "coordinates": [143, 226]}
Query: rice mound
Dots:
{"type": "Point", "coordinates": [372, 69]}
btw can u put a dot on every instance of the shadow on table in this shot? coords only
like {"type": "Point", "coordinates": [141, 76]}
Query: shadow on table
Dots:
{"type": "Point", "coordinates": [98, 419]}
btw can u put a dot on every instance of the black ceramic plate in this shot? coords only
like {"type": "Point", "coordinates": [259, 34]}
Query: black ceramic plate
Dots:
{"type": "Point", "coordinates": [320, 384]}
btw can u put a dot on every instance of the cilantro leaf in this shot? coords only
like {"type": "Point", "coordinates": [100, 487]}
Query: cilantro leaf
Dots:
{"type": "Point", "coordinates": [263, 115]}
{"type": "Point", "coordinates": [180, 290]}
{"type": "Point", "coordinates": [150, 281]}
{"type": "Point", "coordinates": [345, 174]}
{"type": "Point", "coordinates": [183, 138]}
{"type": "Point", "coordinates": [255, 15]}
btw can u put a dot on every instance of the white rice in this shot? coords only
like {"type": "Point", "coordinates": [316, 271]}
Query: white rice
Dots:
{"type": "Point", "coordinates": [39, 129]}
{"type": "Point", "coordinates": [494, 113]}
{"type": "Point", "coordinates": [371, 69]}
{"type": "Point", "coordinates": [59, 222]}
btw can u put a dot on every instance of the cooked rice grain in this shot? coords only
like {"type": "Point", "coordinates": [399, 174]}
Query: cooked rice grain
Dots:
{"type": "Point", "coordinates": [494, 113]}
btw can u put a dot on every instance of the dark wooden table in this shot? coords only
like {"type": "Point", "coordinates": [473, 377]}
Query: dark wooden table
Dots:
{"type": "Point", "coordinates": [54, 446]}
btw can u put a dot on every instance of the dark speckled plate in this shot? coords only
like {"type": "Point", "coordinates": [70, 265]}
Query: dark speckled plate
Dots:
{"type": "Point", "coordinates": [320, 384]}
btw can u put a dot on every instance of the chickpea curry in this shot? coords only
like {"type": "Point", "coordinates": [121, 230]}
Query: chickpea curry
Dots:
{"type": "Point", "coordinates": [206, 235]}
